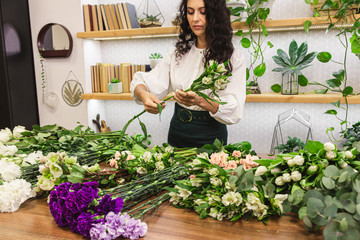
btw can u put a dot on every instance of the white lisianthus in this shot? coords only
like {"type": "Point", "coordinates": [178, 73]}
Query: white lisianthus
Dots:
{"type": "Point", "coordinates": [220, 84]}
{"type": "Point", "coordinates": [158, 156]}
{"type": "Point", "coordinates": [328, 146]}
{"type": "Point", "coordinates": [94, 168]}
{"type": "Point", "coordinates": [196, 182]}
{"type": "Point", "coordinates": [299, 160]}
{"type": "Point", "coordinates": [206, 80]}
{"type": "Point", "coordinates": [169, 149]}
{"type": "Point", "coordinates": [45, 184]}
{"type": "Point", "coordinates": [53, 157]}
{"type": "Point", "coordinates": [261, 170]}
{"type": "Point", "coordinates": [194, 163]}
{"type": "Point", "coordinates": [291, 162]}
{"type": "Point", "coordinates": [175, 198]}
{"type": "Point", "coordinates": [55, 170]}
{"type": "Point", "coordinates": [330, 155]}
{"type": "Point", "coordinates": [200, 201]}
{"type": "Point", "coordinates": [213, 172]}
{"type": "Point", "coordinates": [213, 212]}
{"type": "Point", "coordinates": [286, 177]}
{"type": "Point", "coordinates": [230, 187]}
{"type": "Point", "coordinates": [9, 171]}
{"type": "Point", "coordinates": [141, 170]}
{"type": "Point", "coordinates": [215, 181]}
{"type": "Point", "coordinates": [18, 130]}
{"type": "Point", "coordinates": [349, 155]}
{"type": "Point", "coordinates": [221, 68]}
{"type": "Point", "coordinates": [13, 194]}
{"type": "Point", "coordinates": [147, 156]}
{"type": "Point", "coordinates": [204, 155]}
{"type": "Point", "coordinates": [296, 176]}
{"type": "Point", "coordinates": [159, 165]}
{"type": "Point", "coordinates": [5, 135]}
{"type": "Point", "coordinates": [33, 157]}
{"type": "Point", "coordinates": [275, 170]}
{"type": "Point", "coordinates": [255, 205]}
{"type": "Point", "coordinates": [343, 165]}
{"type": "Point", "coordinates": [232, 198]}
{"type": "Point", "coordinates": [183, 193]}
{"type": "Point", "coordinates": [279, 199]}
{"type": "Point", "coordinates": [279, 181]}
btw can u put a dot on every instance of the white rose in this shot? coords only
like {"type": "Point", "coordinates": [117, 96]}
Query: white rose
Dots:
{"type": "Point", "coordinates": [299, 160]}
{"type": "Point", "coordinates": [5, 135]}
{"type": "Point", "coordinates": [213, 172]}
{"type": "Point", "coordinates": [343, 165]}
{"type": "Point", "coordinates": [328, 146]}
{"type": "Point", "coordinates": [286, 177]}
{"type": "Point", "coordinates": [206, 80]}
{"type": "Point", "coordinates": [158, 156]}
{"type": "Point", "coordinates": [18, 130]}
{"type": "Point", "coordinates": [275, 170]}
{"type": "Point", "coordinates": [261, 170]}
{"type": "Point", "coordinates": [159, 165]}
{"type": "Point", "coordinates": [279, 181]}
{"type": "Point", "coordinates": [291, 162]}
{"type": "Point", "coordinates": [215, 181]}
{"type": "Point", "coordinates": [330, 155]}
{"type": "Point", "coordinates": [349, 155]}
{"type": "Point", "coordinates": [296, 176]}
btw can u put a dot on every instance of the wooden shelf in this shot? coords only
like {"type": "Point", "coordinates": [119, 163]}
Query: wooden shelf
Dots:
{"type": "Point", "coordinates": [264, 97]}
{"type": "Point", "coordinates": [272, 25]}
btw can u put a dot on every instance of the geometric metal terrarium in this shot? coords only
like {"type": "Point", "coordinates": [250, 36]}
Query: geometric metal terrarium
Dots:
{"type": "Point", "coordinates": [292, 123]}
{"type": "Point", "coordinates": [149, 14]}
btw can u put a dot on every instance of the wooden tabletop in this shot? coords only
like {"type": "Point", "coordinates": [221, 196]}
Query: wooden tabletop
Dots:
{"type": "Point", "coordinates": [34, 221]}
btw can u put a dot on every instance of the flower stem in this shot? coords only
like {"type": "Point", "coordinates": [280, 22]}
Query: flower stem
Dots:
{"type": "Point", "coordinates": [128, 123]}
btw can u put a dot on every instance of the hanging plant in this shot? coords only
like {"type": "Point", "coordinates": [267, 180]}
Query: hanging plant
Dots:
{"type": "Point", "coordinates": [43, 83]}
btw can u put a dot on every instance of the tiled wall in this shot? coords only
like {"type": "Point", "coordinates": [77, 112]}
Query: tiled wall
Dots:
{"type": "Point", "coordinates": [259, 119]}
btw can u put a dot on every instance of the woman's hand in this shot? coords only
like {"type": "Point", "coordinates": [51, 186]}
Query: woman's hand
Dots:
{"type": "Point", "coordinates": [187, 98]}
{"type": "Point", "coordinates": [149, 100]}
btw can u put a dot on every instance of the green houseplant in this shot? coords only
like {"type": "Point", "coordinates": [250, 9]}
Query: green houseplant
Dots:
{"type": "Point", "coordinates": [155, 58]}
{"type": "Point", "coordinates": [291, 65]}
{"type": "Point", "coordinates": [115, 86]}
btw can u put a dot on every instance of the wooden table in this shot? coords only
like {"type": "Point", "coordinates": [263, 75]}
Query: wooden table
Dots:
{"type": "Point", "coordinates": [34, 221]}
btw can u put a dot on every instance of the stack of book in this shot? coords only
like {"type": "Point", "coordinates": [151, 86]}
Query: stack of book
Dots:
{"type": "Point", "coordinates": [104, 17]}
{"type": "Point", "coordinates": [102, 73]}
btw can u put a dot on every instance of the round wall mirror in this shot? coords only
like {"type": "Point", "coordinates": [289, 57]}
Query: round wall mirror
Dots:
{"type": "Point", "coordinates": [54, 41]}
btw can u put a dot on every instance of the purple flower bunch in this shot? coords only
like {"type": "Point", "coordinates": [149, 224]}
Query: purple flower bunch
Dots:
{"type": "Point", "coordinates": [118, 225]}
{"type": "Point", "coordinates": [79, 206]}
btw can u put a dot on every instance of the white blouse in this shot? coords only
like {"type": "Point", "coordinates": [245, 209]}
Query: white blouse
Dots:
{"type": "Point", "coordinates": [170, 75]}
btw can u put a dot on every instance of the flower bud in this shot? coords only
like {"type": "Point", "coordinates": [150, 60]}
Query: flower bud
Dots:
{"type": "Point", "coordinates": [328, 146]}
{"type": "Point", "coordinates": [303, 184]}
{"type": "Point", "coordinates": [286, 177]}
{"type": "Point", "coordinates": [312, 169]}
{"type": "Point", "coordinates": [279, 181]}
{"type": "Point", "coordinates": [349, 155]}
{"type": "Point", "coordinates": [299, 160]}
{"type": "Point", "coordinates": [330, 155]}
{"type": "Point", "coordinates": [275, 170]}
{"type": "Point", "coordinates": [296, 176]}
{"type": "Point", "coordinates": [343, 164]}
{"type": "Point", "coordinates": [291, 162]}
{"type": "Point", "coordinates": [261, 170]}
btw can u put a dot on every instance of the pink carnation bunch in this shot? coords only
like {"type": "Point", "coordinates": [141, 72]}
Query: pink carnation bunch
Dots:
{"type": "Point", "coordinates": [223, 160]}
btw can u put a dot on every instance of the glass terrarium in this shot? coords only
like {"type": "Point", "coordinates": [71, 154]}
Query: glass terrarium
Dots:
{"type": "Point", "coordinates": [149, 14]}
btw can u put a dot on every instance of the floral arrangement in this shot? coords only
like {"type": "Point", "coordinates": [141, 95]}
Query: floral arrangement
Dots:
{"type": "Point", "coordinates": [79, 207]}
{"type": "Point", "coordinates": [7, 135]}
{"type": "Point", "coordinates": [13, 191]}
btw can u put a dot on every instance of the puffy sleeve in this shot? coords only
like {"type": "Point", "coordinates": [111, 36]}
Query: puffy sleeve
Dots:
{"type": "Point", "coordinates": [157, 81]}
{"type": "Point", "coordinates": [235, 92]}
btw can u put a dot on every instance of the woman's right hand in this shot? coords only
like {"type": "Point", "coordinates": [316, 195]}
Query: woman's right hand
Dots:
{"type": "Point", "coordinates": [150, 102]}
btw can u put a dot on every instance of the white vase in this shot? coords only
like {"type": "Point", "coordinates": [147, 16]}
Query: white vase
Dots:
{"type": "Point", "coordinates": [115, 87]}
{"type": "Point", "coordinates": [154, 62]}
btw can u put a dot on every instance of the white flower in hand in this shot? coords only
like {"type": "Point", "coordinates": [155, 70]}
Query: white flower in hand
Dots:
{"type": "Point", "coordinates": [328, 146]}
{"type": "Point", "coordinates": [221, 68]}
{"type": "Point", "coordinates": [206, 80]}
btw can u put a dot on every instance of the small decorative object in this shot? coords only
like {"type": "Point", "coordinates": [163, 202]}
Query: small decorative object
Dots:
{"type": "Point", "coordinates": [253, 87]}
{"type": "Point", "coordinates": [155, 58]}
{"type": "Point", "coordinates": [51, 99]}
{"type": "Point", "coordinates": [149, 14]}
{"type": "Point", "coordinates": [290, 66]}
{"type": "Point", "coordinates": [300, 127]}
{"type": "Point", "coordinates": [71, 91]}
{"type": "Point", "coordinates": [115, 86]}
{"type": "Point", "coordinates": [104, 128]}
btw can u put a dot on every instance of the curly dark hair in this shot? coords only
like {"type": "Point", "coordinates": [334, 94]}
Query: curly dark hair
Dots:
{"type": "Point", "coordinates": [218, 32]}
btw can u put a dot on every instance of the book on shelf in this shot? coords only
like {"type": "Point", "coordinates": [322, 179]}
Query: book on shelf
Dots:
{"type": "Point", "coordinates": [113, 17]}
{"type": "Point", "coordinates": [94, 18]}
{"type": "Point", "coordinates": [86, 14]}
{"type": "Point", "coordinates": [131, 13]}
{"type": "Point", "coordinates": [108, 17]}
{"type": "Point", "coordinates": [103, 15]}
{"type": "Point", "coordinates": [122, 16]}
{"type": "Point", "coordinates": [126, 13]}
{"type": "Point", "coordinates": [118, 17]}
{"type": "Point", "coordinates": [99, 18]}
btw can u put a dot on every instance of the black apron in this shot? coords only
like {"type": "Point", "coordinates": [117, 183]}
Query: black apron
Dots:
{"type": "Point", "coordinates": [189, 128]}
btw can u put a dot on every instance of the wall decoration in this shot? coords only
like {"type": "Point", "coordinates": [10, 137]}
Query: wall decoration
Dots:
{"type": "Point", "coordinates": [71, 91]}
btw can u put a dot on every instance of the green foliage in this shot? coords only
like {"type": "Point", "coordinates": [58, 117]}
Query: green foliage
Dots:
{"type": "Point", "coordinates": [292, 145]}
{"type": "Point", "coordinates": [115, 80]}
{"type": "Point", "coordinates": [352, 136]}
{"type": "Point", "coordinates": [155, 56]}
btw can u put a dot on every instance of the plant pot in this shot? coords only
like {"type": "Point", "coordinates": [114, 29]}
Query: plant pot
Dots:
{"type": "Point", "coordinates": [115, 87]}
{"type": "Point", "coordinates": [253, 88]}
{"type": "Point", "coordinates": [289, 84]}
{"type": "Point", "coordinates": [154, 62]}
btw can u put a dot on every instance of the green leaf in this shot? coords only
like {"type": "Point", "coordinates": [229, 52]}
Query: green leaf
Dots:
{"type": "Point", "coordinates": [143, 128]}
{"type": "Point", "coordinates": [264, 30]}
{"type": "Point", "coordinates": [358, 208]}
{"type": "Point", "coordinates": [314, 207]}
{"type": "Point", "coordinates": [303, 81]}
{"type": "Point", "coordinates": [332, 112]}
{"type": "Point", "coordinates": [324, 57]}
{"type": "Point", "coordinates": [307, 222]}
{"type": "Point", "coordinates": [333, 82]}
{"type": "Point", "coordinates": [328, 183]}
{"type": "Point", "coordinates": [321, 91]}
{"type": "Point", "coordinates": [276, 88]}
{"type": "Point", "coordinates": [313, 194]}
{"type": "Point", "coordinates": [339, 75]}
{"type": "Point", "coordinates": [307, 25]}
{"type": "Point", "coordinates": [239, 33]}
{"type": "Point", "coordinates": [330, 231]}
{"type": "Point", "coordinates": [245, 42]}
{"type": "Point", "coordinates": [331, 211]}
{"type": "Point", "coordinates": [355, 45]}
{"type": "Point", "coordinates": [293, 47]}
{"type": "Point", "coordinates": [260, 70]}
{"type": "Point", "coordinates": [313, 146]}
{"type": "Point", "coordinates": [270, 44]}
{"type": "Point", "coordinates": [336, 104]}
{"type": "Point", "coordinates": [343, 177]}
{"type": "Point", "coordinates": [302, 212]}
{"type": "Point", "coordinates": [332, 172]}
{"type": "Point", "coordinates": [347, 91]}
{"type": "Point", "coordinates": [283, 55]}
{"type": "Point", "coordinates": [247, 74]}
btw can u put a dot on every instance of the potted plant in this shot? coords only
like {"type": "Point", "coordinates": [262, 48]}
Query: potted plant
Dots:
{"type": "Point", "coordinates": [155, 58]}
{"type": "Point", "coordinates": [149, 14]}
{"type": "Point", "coordinates": [115, 86]}
{"type": "Point", "coordinates": [291, 65]}
{"type": "Point", "coordinates": [150, 21]}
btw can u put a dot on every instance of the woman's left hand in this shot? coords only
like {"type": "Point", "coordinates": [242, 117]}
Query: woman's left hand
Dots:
{"type": "Point", "coordinates": [186, 98]}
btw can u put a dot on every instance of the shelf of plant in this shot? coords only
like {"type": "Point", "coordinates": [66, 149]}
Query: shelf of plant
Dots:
{"type": "Point", "coordinates": [272, 25]}
{"type": "Point", "coordinates": [264, 97]}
